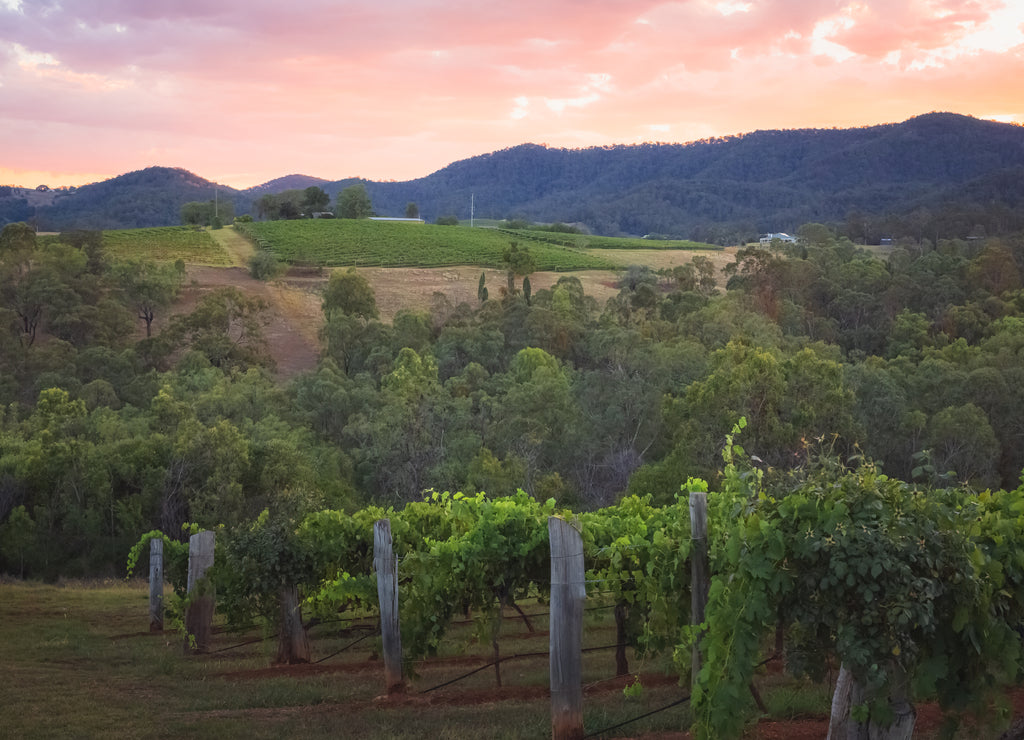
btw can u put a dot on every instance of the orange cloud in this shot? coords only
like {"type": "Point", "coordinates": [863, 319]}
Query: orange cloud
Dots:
{"type": "Point", "coordinates": [243, 92]}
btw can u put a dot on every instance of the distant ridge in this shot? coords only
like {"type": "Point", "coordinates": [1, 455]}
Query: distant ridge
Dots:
{"type": "Point", "coordinates": [720, 189]}
{"type": "Point", "coordinates": [288, 182]}
{"type": "Point", "coordinates": [147, 197]}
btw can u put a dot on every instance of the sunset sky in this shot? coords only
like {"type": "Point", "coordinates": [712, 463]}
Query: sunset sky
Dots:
{"type": "Point", "coordinates": [242, 92]}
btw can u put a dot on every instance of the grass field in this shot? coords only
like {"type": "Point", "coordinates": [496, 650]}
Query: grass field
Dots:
{"type": "Point", "coordinates": [587, 241]}
{"type": "Point", "coordinates": [79, 663]}
{"type": "Point", "coordinates": [364, 243]}
{"type": "Point", "coordinates": [166, 244]}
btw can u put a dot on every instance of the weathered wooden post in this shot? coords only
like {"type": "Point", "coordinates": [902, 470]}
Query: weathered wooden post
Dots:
{"type": "Point", "coordinates": [840, 705]}
{"type": "Point", "coordinates": [292, 641]}
{"type": "Point", "coordinates": [387, 595]}
{"type": "Point", "coordinates": [156, 584]}
{"type": "Point", "coordinates": [699, 571]}
{"type": "Point", "coordinates": [199, 612]}
{"type": "Point", "coordinates": [568, 592]}
{"type": "Point", "coordinates": [850, 692]}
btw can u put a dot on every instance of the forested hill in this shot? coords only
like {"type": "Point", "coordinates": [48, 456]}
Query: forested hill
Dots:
{"type": "Point", "coordinates": [762, 181]}
{"type": "Point", "coordinates": [149, 197]}
{"type": "Point", "coordinates": [288, 182]}
{"type": "Point", "coordinates": [878, 180]}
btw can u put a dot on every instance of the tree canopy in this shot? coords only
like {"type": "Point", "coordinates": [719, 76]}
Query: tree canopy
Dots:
{"type": "Point", "coordinates": [349, 292]}
{"type": "Point", "coordinates": [909, 358]}
{"type": "Point", "coordinates": [354, 202]}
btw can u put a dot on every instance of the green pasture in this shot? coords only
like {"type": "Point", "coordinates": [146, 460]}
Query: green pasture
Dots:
{"type": "Point", "coordinates": [365, 243]}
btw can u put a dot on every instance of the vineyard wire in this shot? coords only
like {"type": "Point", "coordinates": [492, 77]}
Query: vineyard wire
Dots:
{"type": "Point", "coordinates": [677, 702]}
{"type": "Point", "coordinates": [243, 644]}
{"type": "Point", "coordinates": [275, 635]}
{"type": "Point", "coordinates": [543, 653]}
{"type": "Point", "coordinates": [338, 652]}
{"type": "Point", "coordinates": [316, 621]}
{"type": "Point", "coordinates": [459, 678]}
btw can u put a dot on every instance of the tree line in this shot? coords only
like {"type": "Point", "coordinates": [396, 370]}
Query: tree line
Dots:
{"type": "Point", "coordinates": [111, 428]}
{"type": "Point", "coordinates": [314, 202]}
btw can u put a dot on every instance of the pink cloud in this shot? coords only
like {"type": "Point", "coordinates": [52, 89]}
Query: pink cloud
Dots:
{"type": "Point", "coordinates": [879, 29]}
{"type": "Point", "coordinates": [398, 89]}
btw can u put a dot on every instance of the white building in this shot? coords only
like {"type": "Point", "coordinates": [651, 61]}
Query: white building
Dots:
{"type": "Point", "coordinates": [766, 239]}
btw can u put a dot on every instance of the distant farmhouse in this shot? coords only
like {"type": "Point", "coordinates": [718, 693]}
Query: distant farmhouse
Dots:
{"type": "Point", "coordinates": [767, 239]}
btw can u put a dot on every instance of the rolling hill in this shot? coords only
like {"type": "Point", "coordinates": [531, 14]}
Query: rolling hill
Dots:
{"type": "Point", "coordinates": [710, 190]}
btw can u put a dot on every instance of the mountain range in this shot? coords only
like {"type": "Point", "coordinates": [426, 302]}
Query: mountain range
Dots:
{"type": "Point", "coordinates": [713, 189]}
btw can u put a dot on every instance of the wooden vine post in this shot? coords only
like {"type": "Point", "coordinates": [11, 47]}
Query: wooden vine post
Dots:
{"type": "Point", "coordinates": [387, 594]}
{"type": "Point", "coordinates": [700, 571]}
{"type": "Point", "coordinates": [199, 612]}
{"type": "Point", "coordinates": [850, 692]}
{"type": "Point", "coordinates": [568, 592]}
{"type": "Point", "coordinates": [840, 705]}
{"type": "Point", "coordinates": [292, 640]}
{"type": "Point", "coordinates": [156, 584]}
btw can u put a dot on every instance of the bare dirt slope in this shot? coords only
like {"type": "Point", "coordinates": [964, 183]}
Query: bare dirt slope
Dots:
{"type": "Point", "coordinates": [290, 332]}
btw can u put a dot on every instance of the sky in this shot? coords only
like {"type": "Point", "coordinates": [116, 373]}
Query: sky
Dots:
{"type": "Point", "coordinates": [243, 92]}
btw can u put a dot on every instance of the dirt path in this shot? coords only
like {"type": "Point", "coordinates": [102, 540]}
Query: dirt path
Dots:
{"type": "Point", "coordinates": [291, 332]}
{"type": "Point", "coordinates": [294, 313]}
{"type": "Point", "coordinates": [236, 245]}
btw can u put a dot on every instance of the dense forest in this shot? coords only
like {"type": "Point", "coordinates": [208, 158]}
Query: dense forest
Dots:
{"type": "Point", "coordinates": [913, 359]}
{"type": "Point", "coordinates": [940, 176]}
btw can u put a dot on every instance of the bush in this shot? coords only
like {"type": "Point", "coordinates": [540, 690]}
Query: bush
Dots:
{"type": "Point", "coordinates": [264, 266]}
{"type": "Point", "coordinates": [447, 221]}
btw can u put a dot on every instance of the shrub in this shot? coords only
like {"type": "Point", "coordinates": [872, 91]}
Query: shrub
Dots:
{"type": "Point", "coordinates": [264, 266]}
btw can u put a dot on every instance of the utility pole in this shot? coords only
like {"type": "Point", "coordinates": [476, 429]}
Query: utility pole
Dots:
{"type": "Point", "coordinates": [472, 208]}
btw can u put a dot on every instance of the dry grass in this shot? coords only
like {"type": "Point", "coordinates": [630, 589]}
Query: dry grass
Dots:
{"type": "Point", "coordinates": [295, 298]}
{"type": "Point", "coordinates": [414, 288]}
{"type": "Point", "coordinates": [399, 288]}
{"type": "Point", "coordinates": [236, 245]}
{"type": "Point", "coordinates": [659, 259]}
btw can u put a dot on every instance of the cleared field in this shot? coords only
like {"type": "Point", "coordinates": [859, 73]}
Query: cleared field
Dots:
{"type": "Point", "coordinates": [166, 244]}
{"type": "Point", "coordinates": [661, 259]}
{"type": "Point", "coordinates": [586, 241]}
{"type": "Point", "coordinates": [398, 288]}
{"type": "Point", "coordinates": [364, 243]}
